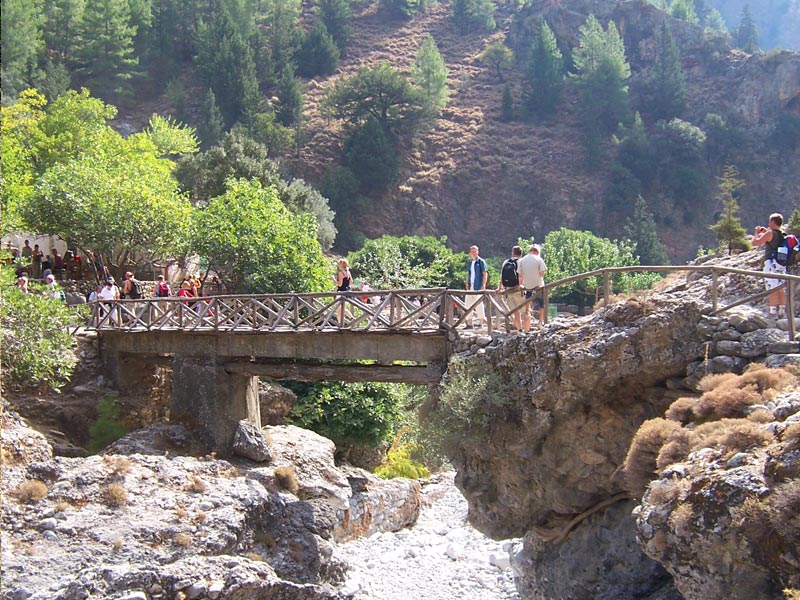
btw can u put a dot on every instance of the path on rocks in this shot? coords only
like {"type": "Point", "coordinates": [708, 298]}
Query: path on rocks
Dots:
{"type": "Point", "coordinates": [441, 558]}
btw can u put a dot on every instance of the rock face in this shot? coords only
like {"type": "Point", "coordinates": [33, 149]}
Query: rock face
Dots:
{"type": "Point", "coordinates": [153, 525]}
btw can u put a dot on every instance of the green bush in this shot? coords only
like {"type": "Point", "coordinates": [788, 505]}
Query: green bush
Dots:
{"type": "Point", "coordinates": [399, 463]}
{"type": "Point", "coordinates": [107, 428]}
{"type": "Point", "coordinates": [370, 155]}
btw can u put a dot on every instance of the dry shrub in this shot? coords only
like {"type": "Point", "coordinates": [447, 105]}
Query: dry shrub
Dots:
{"type": "Point", "coordinates": [640, 464]}
{"type": "Point", "coordinates": [731, 435]}
{"type": "Point", "coordinates": [183, 539]}
{"type": "Point", "coordinates": [680, 519]}
{"type": "Point", "coordinates": [31, 491]}
{"type": "Point", "coordinates": [665, 491]}
{"type": "Point", "coordinates": [118, 543]}
{"type": "Point", "coordinates": [255, 556]}
{"type": "Point", "coordinates": [682, 410]}
{"type": "Point", "coordinates": [791, 436]}
{"type": "Point", "coordinates": [730, 402]}
{"type": "Point", "coordinates": [286, 478]}
{"type": "Point", "coordinates": [200, 517]}
{"type": "Point", "coordinates": [116, 494]}
{"type": "Point", "coordinates": [790, 594]}
{"type": "Point", "coordinates": [769, 379]}
{"type": "Point", "coordinates": [675, 450]}
{"type": "Point", "coordinates": [196, 485]}
{"type": "Point", "coordinates": [181, 513]}
{"type": "Point", "coordinates": [761, 415]}
{"type": "Point", "coordinates": [120, 465]}
{"type": "Point", "coordinates": [61, 505]}
{"type": "Point", "coordinates": [712, 382]}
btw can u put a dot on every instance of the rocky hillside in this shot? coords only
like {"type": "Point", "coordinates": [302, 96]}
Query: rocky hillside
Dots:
{"type": "Point", "coordinates": [480, 180]}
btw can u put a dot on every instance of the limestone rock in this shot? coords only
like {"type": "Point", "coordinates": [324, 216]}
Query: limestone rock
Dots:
{"type": "Point", "coordinates": [249, 442]}
{"type": "Point", "coordinates": [755, 343]}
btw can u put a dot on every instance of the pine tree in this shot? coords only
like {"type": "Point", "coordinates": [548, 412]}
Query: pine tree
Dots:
{"type": "Point", "coordinates": [746, 36]}
{"type": "Point", "coordinates": [336, 14]}
{"type": "Point", "coordinates": [212, 125]}
{"type": "Point", "coordinates": [641, 229]}
{"type": "Point", "coordinates": [601, 75]}
{"type": "Point", "coordinates": [283, 32]}
{"type": "Point", "coordinates": [430, 76]}
{"type": "Point", "coordinates": [729, 228]}
{"type": "Point", "coordinates": [497, 56]}
{"type": "Point", "coordinates": [290, 99]}
{"type": "Point", "coordinates": [21, 36]}
{"type": "Point", "coordinates": [473, 15]}
{"type": "Point", "coordinates": [669, 85]}
{"type": "Point", "coordinates": [684, 10]}
{"type": "Point", "coordinates": [544, 74]}
{"type": "Point", "coordinates": [507, 104]}
{"type": "Point", "coordinates": [106, 53]}
{"type": "Point", "coordinates": [62, 27]}
{"type": "Point", "coordinates": [318, 55]}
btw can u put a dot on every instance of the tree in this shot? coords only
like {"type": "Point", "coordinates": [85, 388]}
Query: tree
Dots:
{"type": "Point", "coordinates": [380, 93]}
{"type": "Point", "coordinates": [267, 131]}
{"type": "Point", "coordinates": [21, 37]}
{"type": "Point", "coordinates": [568, 252]}
{"type": "Point", "coordinates": [318, 54]}
{"type": "Point", "coordinates": [681, 147]}
{"type": "Point", "coordinates": [430, 76]}
{"type": "Point", "coordinates": [544, 75]}
{"type": "Point", "coordinates": [669, 86]}
{"type": "Point", "coordinates": [369, 153]}
{"type": "Point", "coordinates": [640, 228]}
{"type": "Point", "coordinates": [62, 20]}
{"type": "Point", "coordinates": [400, 9]}
{"type": "Point", "coordinates": [471, 15]}
{"type": "Point", "coordinates": [497, 56]}
{"type": "Point", "coordinates": [729, 229]}
{"type": "Point", "coordinates": [507, 104]}
{"type": "Point", "coordinates": [793, 224]}
{"type": "Point", "coordinates": [746, 36]}
{"type": "Point", "coordinates": [55, 81]}
{"type": "Point", "coordinates": [106, 54]}
{"type": "Point", "coordinates": [336, 14]}
{"type": "Point", "coordinates": [283, 32]}
{"type": "Point", "coordinates": [684, 10]}
{"type": "Point", "coordinates": [635, 152]}
{"type": "Point", "coordinates": [601, 75]}
{"type": "Point", "coordinates": [289, 109]}
{"type": "Point", "coordinates": [212, 125]}
{"type": "Point", "coordinates": [408, 262]}
{"type": "Point", "coordinates": [256, 245]}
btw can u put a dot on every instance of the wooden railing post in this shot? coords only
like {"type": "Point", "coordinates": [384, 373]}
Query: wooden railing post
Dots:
{"type": "Point", "coordinates": [606, 287]}
{"type": "Point", "coordinates": [714, 290]}
{"type": "Point", "coordinates": [488, 312]}
{"type": "Point", "coordinates": [790, 309]}
{"type": "Point", "coordinates": [546, 305]}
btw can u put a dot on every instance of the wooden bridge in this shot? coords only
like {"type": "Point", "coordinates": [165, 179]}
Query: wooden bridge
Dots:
{"type": "Point", "coordinates": [218, 346]}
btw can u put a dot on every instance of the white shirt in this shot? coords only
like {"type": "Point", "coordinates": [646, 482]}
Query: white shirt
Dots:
{"type": "Point", "coordinates": [531, 269]}
{"type": "Point", "coordinates": [108, 293]}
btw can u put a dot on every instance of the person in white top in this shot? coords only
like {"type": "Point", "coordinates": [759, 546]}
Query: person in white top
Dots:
{"type": "Point", "coordinates": [531, 270]}
{"type": "Point", "coordinates": [109, 293]}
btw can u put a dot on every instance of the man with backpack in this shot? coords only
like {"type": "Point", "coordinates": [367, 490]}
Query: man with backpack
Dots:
{"type": "Point", "coordinates": [510, 285]}
{"type": "Point", "coordinates": [162, 288]}
{"type": "Point", "coordinates": [133, 289]}
{"type": "Point", "coordinates": [777, 255]}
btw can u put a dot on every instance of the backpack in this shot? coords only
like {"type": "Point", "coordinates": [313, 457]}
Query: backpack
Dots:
{"type": "Point", "coordinates": [509, 275]}
{"type": "Point", "coordinates": [788, 252]}
{"type": "Point", "coordinates": [137, 291]}
{"type": "Point", "coordinates": [162, 290]}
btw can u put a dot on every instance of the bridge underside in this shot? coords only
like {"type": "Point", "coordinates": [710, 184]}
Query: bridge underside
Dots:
{"type": "Point", "coordinates": [215, 374]}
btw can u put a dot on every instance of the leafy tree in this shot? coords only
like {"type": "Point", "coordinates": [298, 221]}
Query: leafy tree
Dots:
{"type": "Point", "coordinates": [729, 229]}
{"type": "Point", "coordinates": [337, 14]}
{"type": "Point", "coordinates": [170, 137]}
{"type": "Point", "coordinates": [722, 140]}
{"type": "Point", "coordinates": [409, 262]}
{"type": "Point", "coordinates": [640, 228]}
{"type": "Point", "coordinates": [318, 54]}
{"type": "Point", "coordinates": [601, 75]}
{"type": "Point", "coordinates": [21, 37]}
{"type": "Point", "coordinates": [681, 147]}
{"type": "Point", "coordinates": [430, 76]}
{"type": "Point", "coordinates": [299, 197]}
{"type": "Point", "coordinates": [106, 54]}
{"type": "Point", "coordinates": [497, 56]}
{"type": "Point", "coordinates": [746, 36]}
{"type": "Point", "coordinates": [36, 348]}
{"type": "Point", "coordinates": [684, 10]}
{"type": "Point", "coordinates": [55, 80]}
{"type": "Point", "coordinates": [62, 21]}
{"type": "Point", "coordinates": [379, 93]}
{"type": "Point", "coordinates": [635, 152]}
{"type": "Point", "coordinates": [351, 413]}
{"type": "Point", "coordinates": [568, 252]}
{"type": "Point", "coordinates": [267, 131]}
{"type": "Point", "coordinates": [401, 9]}
{"type": "Point", "coordinates": [507, 104]}
{"type": "Point", "coordinates": [544, 74]}
{"type": "Point", "coordinates": [289, 109]}
{"type": "Point", "coordinates": [669, 86]}
{"type": "Point", "coordinates": [369, 153]}
{"type": "Point", "coordinates": [471, 15]}
{"type": "Point", "coordinates": [212, 124]}
{"type": "Point", "coordinates": [256, 244]}
{"type": "Point", "coordinates": [283, 32]}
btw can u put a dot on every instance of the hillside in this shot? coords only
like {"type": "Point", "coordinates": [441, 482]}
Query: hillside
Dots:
{"type": "Point", "coordinates": [479, 180]}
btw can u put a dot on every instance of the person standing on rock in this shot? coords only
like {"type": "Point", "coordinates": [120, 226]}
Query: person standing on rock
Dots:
{"type": "Point", "coordinates": [510, 285]}
{"type": "Point", "coordinates": [771, 238]}
{"type": "Point", "coordinates": [531, 276]}
{"type": "Point", "coordinates": [477, 276]}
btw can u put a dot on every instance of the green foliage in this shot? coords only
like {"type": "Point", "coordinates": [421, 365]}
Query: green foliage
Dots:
{"type": "Point", "coordinates": [684, 10]}
{"type": "Point", "coordinates": [21, 34]}
{"type": "Point", "coordinates": [170, 137]}
{"type": "Point", "coordinates": [430, 76]}
{"type": "Point", "coordinates": [601, 75]}
{"type": "Point", "coordinates": [729, 229]}
{"type": "Point", "coordinates": [722, 140]}
{"type": "Point", "coordinates": [497, 57]}
{"type": "Point", "coordinates": [107, 428]}
{"type": "Point", "coordinates": [669, 86]}
{"type": "Point", "coordinates": [640, 228]}
{"type": "Point", "coordinates": [474, 15]}
{"type": "Point", "coordinates": [568, 252]}
{"type": "Point", "coordinates": [272, 135]}
{"type": "Point", "coordinates": [36, 347]}
{"type": "Point", "coordinates": [282, 22]}
{"type": "Point", "coordinates": [379, 93]}
{"type": "Point", "coordinates": [256, 244]}
{"type": "Point", "coordinates": [793, 224]}
{"type": "Point", "coordinates": [350, 413]}
{"type": "Point", "coordinates": [399, 463]}
{"type": "Point", "coordinates": [507, 104]}
{"type": "Point", "coordinates": [544, 74]}
{"type": "Point", "coordinates": [681, 147]}
{"type": "Point", "coordinates": [337, 15]}
{"type": "Point", "coordinates": [318, 54]}
{"type": "Point", "coordinates": [786, 132]}
{"type": "Point", "coordinates": [401, 9]}
{"type": "Point", "coordinates": [289, 109]}
{"type": "Point", "coordinates": [369, 153]}
{"type": "Point", "coordinates": [62, 20]}
{"type": "Point", "coordinates": [635, 152]}
{"type": "Point", "coordinates": [212, 125]}
{"type": "Point", "coordinates": [746, 35]}
{"type": "Point", "coordinates": [408, 262]}
{"type": "Point", "coordinates": [299, 197]}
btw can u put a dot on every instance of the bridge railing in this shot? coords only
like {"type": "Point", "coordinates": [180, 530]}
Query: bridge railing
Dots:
{"type": "Point", "coordinates": [421, 310]}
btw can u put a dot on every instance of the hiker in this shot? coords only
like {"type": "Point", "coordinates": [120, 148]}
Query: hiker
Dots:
{"type": "Point", "coordinates": [108, 295]}
{"type": "Point", "coordinates": [477, 276]}
{"type": "Point", "coordinates": [36, 262]}
{"type": "Point", "coordinates": [52, 290]}
{"type": "Point", "coordinates": [162, 288]}
{"type": "Point", "coordinates": [771, 238]}
{"type": "Point", "coordinates": [510, 285]}
{"type": "Point", "coordinates": [57, 264]}
{"type": "Point", "coordinates": [22, 284]}
{"type": "Point", "coordinates": [531, 269]}
{"type": "Point", "coordinates": [343, 279]}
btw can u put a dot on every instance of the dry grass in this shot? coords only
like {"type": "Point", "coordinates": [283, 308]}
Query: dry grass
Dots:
{"type": "Point", "coordinates": [184, 540]}
{"type": "Point", "coordinates": [730, 435]}
{"type": "Point", "coordinates": [761, 415]}
{"type": "Point", "coordinates": [119, 465]}
{"type": "Point", "coordinates": [31, 491]}
{"type": "Point", "coordinates": [181, 513]}
{"type": "Point", "coordinates": [196, 485]}
{"type": "Point", "coordinates": [116, 494]}
{"type": "Point", "coordinates": [286, 478]}
{"type": "Point", "coordinates": [255, 556]}
{"type": "Point", "coordinates": [675, 450]}
{"type": "Point", "coordinates": [682, 410]}
{"type": "Point", "coordinates": [666, 491]}
{"type": "Point", "coordinates": [791, 436]}
{"type": "Point", "coordinates": [61, 505]}
{"type": "Point", "coordinates": [118, 544]}
{"type": "Point", "coordinates": [640, 464]}
{"type": "Point", "coordinates": [681, 517]}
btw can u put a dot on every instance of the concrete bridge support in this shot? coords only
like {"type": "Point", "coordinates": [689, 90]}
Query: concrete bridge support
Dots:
{"type": "Point", "coordinates": [212, 401]}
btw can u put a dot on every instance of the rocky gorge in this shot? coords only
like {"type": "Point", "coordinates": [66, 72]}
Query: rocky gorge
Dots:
{"type": "Point", "coordinates": [635, 452]}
